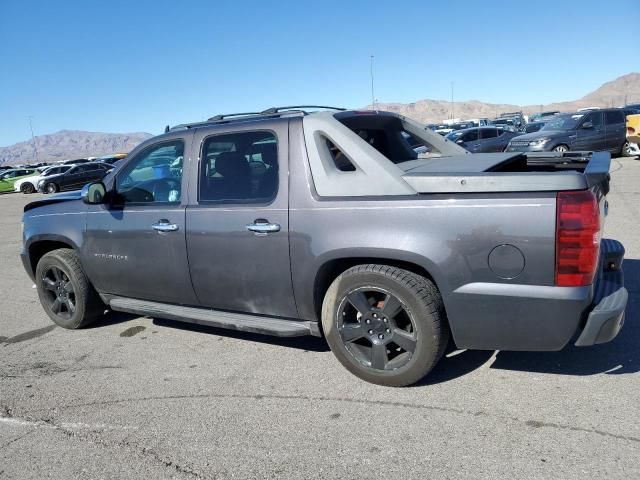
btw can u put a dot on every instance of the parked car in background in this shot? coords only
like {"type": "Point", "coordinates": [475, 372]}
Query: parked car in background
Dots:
{"type": "Point", "coordinates": [479, 122]}
{"type": "Point", "coordinates": [74, 178]}
{"type": "Point", "coordinates": [111, 159]}
{"type": "Point", "coordinates": [603, 129]}
{"type": "Point", "coordinates": [75, 161]}
{"type": "Point", "coordinates": [8, 177]}
{"type": "Point", "coordinates": [536, 117]}
{"type": "Point", "coordinates": [482, 139]}
{"type": "Point", "coordinates": [443, 129]}
{"type": "Point", "coordinates": [516, 119]}
{"type": "Point", "coordinates": [30, 184]}
{"type": "Point", "coordinates": [506, 123]}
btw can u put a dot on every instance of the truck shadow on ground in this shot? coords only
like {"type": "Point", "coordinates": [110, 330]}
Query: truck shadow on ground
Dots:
{"type": "Point", "coordinates": [618, 357]}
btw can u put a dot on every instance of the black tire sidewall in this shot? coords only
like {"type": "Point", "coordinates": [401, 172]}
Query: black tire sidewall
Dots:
{"type": "Point", "coordinates": [51, 188]}
{"type": "Point", "coordinates": [623, 150]}
{"type": "Point", "coordinates": [427, 346]}
{"type": "Point", "coordinates": [27, 188]}
{"type": "Point", "coordinates": [56, 259]}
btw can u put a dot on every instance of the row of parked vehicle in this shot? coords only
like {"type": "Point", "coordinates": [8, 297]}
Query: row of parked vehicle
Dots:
{"type": "Point", "coordinates": [589, 129]}
{"type": "Point", "coordinates": [65, 175]}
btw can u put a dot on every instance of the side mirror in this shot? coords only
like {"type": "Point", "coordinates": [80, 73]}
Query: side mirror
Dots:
{"type": "Point", "coordinates": [93, 193]}
{"type": "Point", "coordinates": [459, 142]}
{"type": "Point", "coordinates": [587, 125]}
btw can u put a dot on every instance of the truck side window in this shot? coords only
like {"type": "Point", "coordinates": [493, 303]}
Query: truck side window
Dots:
{"type": "Point", "coordinates": [613, 117]}
{"type": "Point", "coordinates": [153, 176]}
{"type": "Point", "coordinates": [239, 167]}
{"type": "Point", "coordinates": [340, 160]}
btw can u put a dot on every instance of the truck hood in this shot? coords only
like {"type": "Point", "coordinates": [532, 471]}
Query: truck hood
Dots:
{"type": "Point", "coordinates": [51, 199]}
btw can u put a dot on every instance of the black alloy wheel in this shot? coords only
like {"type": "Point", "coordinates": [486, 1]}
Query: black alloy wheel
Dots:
{"type": "Point", "coordinates": [59, 292]}
{"type": "Point", "coordinates": [376, 328]}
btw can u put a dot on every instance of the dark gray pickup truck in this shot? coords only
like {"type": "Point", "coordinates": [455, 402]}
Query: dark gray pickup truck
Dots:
{"type": "Point", "coordinates": [290, 222]}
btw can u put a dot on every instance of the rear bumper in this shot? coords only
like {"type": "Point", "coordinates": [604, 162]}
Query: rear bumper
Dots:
{"type": "Point", "coordinates": [503, 316]}
{"type": "Point", "coordinates": [606, 317]}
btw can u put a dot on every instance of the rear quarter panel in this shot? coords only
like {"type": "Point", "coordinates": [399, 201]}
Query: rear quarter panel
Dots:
{"type": "Point", "coordinates": [449, 236]}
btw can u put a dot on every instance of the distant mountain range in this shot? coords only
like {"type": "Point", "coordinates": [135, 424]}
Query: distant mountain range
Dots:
{"type": "Point", "coordinates": [624, 89]}
{"type": "Point", "coordinates": [67, 144]}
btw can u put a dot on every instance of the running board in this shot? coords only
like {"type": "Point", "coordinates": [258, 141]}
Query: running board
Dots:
{"type": "Point", "coordinates": [216, 318]}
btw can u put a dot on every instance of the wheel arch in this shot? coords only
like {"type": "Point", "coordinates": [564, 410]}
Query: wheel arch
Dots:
{"type": "Point", "coordinates": [43, 244]}
{"type": "Point", "coordinates": [332, 268]}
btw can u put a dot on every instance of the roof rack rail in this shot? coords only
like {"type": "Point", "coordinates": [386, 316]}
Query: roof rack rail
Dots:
{"type": "Point", "coordinates": [273, 110]}
{"type": "Point", "coordinates": [238, 117]}
{"type": "Point", "coordinates": [215, 118]}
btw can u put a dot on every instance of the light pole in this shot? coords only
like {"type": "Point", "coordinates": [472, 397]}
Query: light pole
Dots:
{"type": "Point", "coordinates": [373, 98]}
{"type": "Point", "coordinates": [33, 137]}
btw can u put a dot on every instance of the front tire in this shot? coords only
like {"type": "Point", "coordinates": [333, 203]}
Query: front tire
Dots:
{"type": "Point", "coordinates": [64, 290]}
{"type": "Point", "coordinates": [626, 151]}
{"type": "Point", "coordinates": [561, 148]}
{"type": "Point", "coordinates": [27, 188]}
{"type": "Point", "coordinates": [386, 325]}
{"type": "Point", "coordinates": [51, 188]}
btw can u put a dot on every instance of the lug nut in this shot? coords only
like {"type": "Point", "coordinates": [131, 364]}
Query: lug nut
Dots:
{"type": "Point", "coordinates": [370, 332]}
{"type": "Point", "coordinates": [388, 330]}
{"type": "Point", "coordinates": [375, 315]}
{"type": "Point", "coordinates": [385, 320]}
{"type": "Point", "coordinates": [381, 336]}
{"type": "Point", "coordinates": [367, 321]}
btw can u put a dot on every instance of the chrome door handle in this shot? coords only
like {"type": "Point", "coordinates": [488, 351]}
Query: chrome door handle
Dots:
{"type": "Point", "coordinates": [164, 226]}
{"type": "Point", "coordinates": [263, 226]}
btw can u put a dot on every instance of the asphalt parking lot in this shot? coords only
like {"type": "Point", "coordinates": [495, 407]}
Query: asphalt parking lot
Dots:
{"type": "Point", "coordinates": [143, 398]}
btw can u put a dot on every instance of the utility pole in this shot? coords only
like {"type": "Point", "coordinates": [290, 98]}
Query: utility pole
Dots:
{"type": "Point", "coordinates": [373, 98]}
{"type": "Point", "coordinates": [33, 138]}
{"type": "Point", "coordinates": [452, 112]}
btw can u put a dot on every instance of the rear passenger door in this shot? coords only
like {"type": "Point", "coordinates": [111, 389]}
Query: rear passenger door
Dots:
{"type": "Point", "coordinates": [238, 222]}
{"type": "Point", "coordinates": [615, 129]}
{"type": "Point", "coordinates": [489, 140]}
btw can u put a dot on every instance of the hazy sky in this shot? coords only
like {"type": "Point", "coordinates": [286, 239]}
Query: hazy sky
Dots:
{"type": "Point", "coordinates": [125, 66]}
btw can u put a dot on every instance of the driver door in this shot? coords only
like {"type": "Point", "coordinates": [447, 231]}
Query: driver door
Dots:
{"type": "Point", "coordinates": [592, 138]}
{"type": "Point", "coordinates": [135, 244]}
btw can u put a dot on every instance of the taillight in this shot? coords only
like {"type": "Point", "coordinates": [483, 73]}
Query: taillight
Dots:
{"type": "Point", "coordinates": [577, 238]}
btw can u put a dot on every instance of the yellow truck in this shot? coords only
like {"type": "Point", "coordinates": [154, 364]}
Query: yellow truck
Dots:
{"type": "Point", "coordinates": [633, 135]}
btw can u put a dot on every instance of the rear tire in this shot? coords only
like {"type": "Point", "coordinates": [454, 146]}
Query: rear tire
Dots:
{"type": "Point", "coordinates": [64, 290]}
{"type": "Point", "coordinates": [386, 325]}
{"type": "Point", "coordinates": [27, 187]}
{"type": "Point", "coordinates": [561, 148]}
{"type": "Point", "coordinates": [625, 151]}
{"type": "Point", "coordinates": [51, 188]}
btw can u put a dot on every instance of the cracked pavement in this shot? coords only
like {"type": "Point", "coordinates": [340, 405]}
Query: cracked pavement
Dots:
{"type": "Point", "coordinates": [143, 398]}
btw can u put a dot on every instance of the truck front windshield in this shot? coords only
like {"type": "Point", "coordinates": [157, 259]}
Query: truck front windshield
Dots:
{"type": "Point", "coordinates": [563, 122]}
